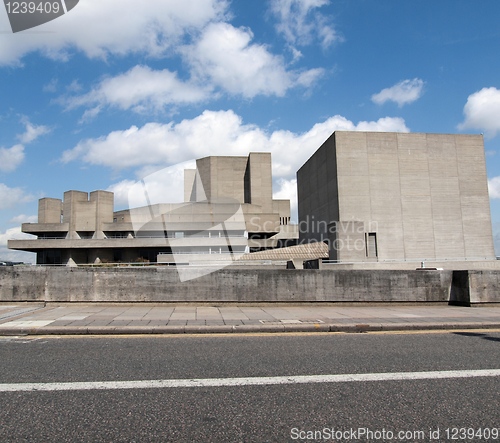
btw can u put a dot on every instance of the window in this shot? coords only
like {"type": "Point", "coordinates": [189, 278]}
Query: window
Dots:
{"type": "Point", "coordinates": [371, 245]}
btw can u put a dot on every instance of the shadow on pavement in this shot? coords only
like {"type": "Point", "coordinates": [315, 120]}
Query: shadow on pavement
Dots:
{"type": "Point", "coordinates": [478, 334]}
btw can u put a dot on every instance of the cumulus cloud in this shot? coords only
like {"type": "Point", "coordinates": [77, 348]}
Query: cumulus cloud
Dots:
{"type": "Point", "coordinates": [9, 197]}
{"type": "Point", "coordinates": [139, 89]}
{"type": "Point", "coordinates": [287, 190]}
{"type": "Point", "coordinates": [22, 218]}
{"type": "Point", "coordinates": [300, 22]}
{"type": "Point", "coordinates": [17, 256]}
{"type": "Point", "coordinates": [13, 234]}
{"type": "Point", "coordinates": [482, 112]}
{"type": "Point", "coordinates": [161, 185]}
{"type": "Point", "coordinates": [12, 255]}
{"type": "Point", "coordinates": [402, 93]}
{"type": "Point", "coordinates": [32, 132]}
{"type": "Point", "coordinates": [11, 158]}
{"type": "Point", "coordinates": [118, 27]}
{"type": "Point", "coordinates": [167, 144]}
{"type": "Point", "coordinates": [225, 57]}
{"type": "Point", "coordinates": [214, 133]}
{"type": "Point", "coordinates": [494, 187]}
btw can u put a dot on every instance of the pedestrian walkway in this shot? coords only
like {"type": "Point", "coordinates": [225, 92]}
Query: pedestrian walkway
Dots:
{"type": "Point", "coordinates": [140, 318]}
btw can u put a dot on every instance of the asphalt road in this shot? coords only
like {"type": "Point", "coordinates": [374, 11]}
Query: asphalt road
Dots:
{"type": "Point", "coordinates": [423, 410]}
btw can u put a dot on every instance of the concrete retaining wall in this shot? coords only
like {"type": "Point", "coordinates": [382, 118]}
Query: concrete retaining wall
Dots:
{"type": "Point", "coordinates": [159, 284]}
{"type": "Point", "coordinates": [484, 287]}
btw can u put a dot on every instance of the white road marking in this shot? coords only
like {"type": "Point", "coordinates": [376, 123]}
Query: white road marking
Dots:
{"type": "Point", "coordinates": [245, 381]}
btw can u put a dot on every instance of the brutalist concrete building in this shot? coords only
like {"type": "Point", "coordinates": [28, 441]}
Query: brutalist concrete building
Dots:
{"type": "Point", "coordinates": [228, 209]}
{"type": "Point", "coordinates": [382, 197]}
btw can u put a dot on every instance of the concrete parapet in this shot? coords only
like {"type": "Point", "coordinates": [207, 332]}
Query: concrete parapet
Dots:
{"type": "Point", "coordinates": [162, 284]}
{"type": "Point", "coordinates": [483, 287]}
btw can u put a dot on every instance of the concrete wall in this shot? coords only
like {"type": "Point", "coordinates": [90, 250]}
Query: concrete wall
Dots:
{"type": "Point", "coordinates": [317, 190]}
{"type": "Point", "coordinates": [161, 284]}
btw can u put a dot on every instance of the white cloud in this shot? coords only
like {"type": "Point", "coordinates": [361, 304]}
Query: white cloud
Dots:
{"type": "Point", "coordinates": [494, 187]}
{"type": "Point", "coordinates": [121, 190]}
{"type": "Point", "coordinates": [120, 27]}
{"type": "Point", "coordinates": [165, 185]}
{"type": "Point", "coordinates": [215, 133]}
{"type": "Point", "coordinates": [300, 22]}
{"type": "Point", "coordinates": [287, 190]}
{"type": "Point", "coordinates": [12, 255]}
{"type": "Point", "coordinates": [140, 89]}
{"type": "Point", "coordinates": [162, 185]}
{"type": "Point", "coordinates": [13, 234]}
{"type": "Point", "coordinates": [225, 57]}
{"type": "Point", "coordinates": [167, 144]}
{"type": "Point", "coordinates": [482, 111]}
{"type": "Point", "coordinates": [17, 256]}
{"type": "Point", "coordinates": [24, 219]}
{"type": "Point", "coordinates": [402, 93]}
{"type": "Point", "coordinates": [51, 86]}
{"type": "Point", "coordinates": [11, 158]}
{"type": "Point", "coordinates": [32, 132]}
{"type": "Point", "coordinates": [9, 197]}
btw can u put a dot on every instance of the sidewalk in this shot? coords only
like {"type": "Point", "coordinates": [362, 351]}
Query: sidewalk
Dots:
{"type": "Point", "coordinates": [139, 318]}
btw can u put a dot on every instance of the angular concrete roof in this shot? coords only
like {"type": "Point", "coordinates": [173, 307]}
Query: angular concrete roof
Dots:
{"type": "Point", "coordinates": [308, 251]}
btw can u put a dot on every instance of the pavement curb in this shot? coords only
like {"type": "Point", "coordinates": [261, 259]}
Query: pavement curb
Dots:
{"type": "Point", "coordinates": [239, 329]}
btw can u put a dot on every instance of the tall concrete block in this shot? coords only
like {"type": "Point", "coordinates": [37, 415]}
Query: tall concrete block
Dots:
{"type": "Point", "coordinates": [261, 191]}
{"type": "Point", "coordinates": [427, 193]}
{"type": "Point", "coordinates": [189, 185]}
{"type": "Point", "coordinates": [50, 210]}
{"type": "Point", "coordinates": [104, 206]}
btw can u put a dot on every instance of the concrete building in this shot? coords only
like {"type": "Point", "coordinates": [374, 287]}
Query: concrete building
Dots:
{"type": "Point", "coordinates": [397, 197]}
{"type": "Point", "coordinates": [228, 209]}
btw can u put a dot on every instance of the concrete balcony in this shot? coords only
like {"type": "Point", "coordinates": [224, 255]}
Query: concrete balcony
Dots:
{"type": "Point", "coordinates": [40, 244]}
{"type": "Point", "coordinates": [35, 228]}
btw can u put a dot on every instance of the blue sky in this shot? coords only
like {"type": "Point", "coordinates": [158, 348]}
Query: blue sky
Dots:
{"type": "Point", "coordinates": [117, 89]}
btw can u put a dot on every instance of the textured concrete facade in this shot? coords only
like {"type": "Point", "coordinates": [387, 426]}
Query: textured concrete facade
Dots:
{"type": "Point", "coordinates": [397, 196]}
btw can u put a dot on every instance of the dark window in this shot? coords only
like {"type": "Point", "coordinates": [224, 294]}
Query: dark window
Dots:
{"type": "Point", "coordinates": [371, 245]}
